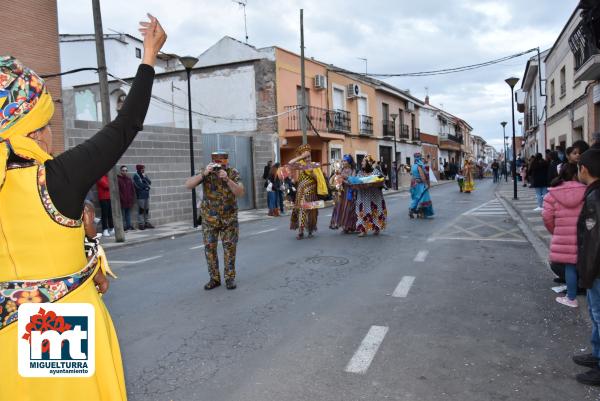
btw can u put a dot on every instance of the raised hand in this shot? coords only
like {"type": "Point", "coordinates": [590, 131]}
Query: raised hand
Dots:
{"type": "Point", "coordinates": [154, 38]}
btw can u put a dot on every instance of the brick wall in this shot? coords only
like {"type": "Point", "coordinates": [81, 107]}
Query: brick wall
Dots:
{"type": "Point", "coordinates": [30, 33]}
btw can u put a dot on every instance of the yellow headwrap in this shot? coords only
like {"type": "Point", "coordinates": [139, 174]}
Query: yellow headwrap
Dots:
{"type": "Point", "coordinates": [25, 107]}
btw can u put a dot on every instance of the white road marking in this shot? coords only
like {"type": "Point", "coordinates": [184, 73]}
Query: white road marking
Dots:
{"type": "Point", "coordinates": [132, 262]}
{"type": "Point", "coordinates": [197, 247]}
{"type": "Point", "coordinates": [483, 239]}
{"type": "Point", "coordinates": [363, 357]}
{"type": "Point", "coordinates": [430, 239]}
{"type": "Point", "coordinates": [263, 231]}
{"type": "Point", "coordinates": [403, 287]}
{"type": "Point", "coordinates": [421, 255]}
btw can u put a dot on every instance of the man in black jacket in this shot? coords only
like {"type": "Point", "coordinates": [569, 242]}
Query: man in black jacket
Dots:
{"type": "Point", "coordinates": [588, 259]}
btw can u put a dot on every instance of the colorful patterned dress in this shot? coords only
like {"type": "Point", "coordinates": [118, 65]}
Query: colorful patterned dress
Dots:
{"type": "Point", "coordinates": [306, 191]}
{"type": "Point", "coordinates": [344, 214]}
{"type": "Point", "coordinates": [370, 209]}
{"type": "Point", "coordinates": [469, 183]}
{"type": "Point", "coordinates": [420, 197]}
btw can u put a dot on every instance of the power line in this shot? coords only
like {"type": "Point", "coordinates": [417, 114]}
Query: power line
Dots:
{"type": "Point", "coordinates": [445, 70]}
{"type": "Point", "coordinates": [171, 104]}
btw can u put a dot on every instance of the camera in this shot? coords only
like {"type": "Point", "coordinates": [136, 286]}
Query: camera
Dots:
{"type": "Point", "coordinates": [216, 168]}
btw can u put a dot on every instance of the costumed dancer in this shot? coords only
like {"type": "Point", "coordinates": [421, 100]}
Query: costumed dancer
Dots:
{"type": "Point", "coordinates": [420, 204]}
{"type": "Point", "coordinates": [310, 184]}
{"type": "Point", "coordinates": [468, 172]}
{"type": "Point", "coordinates": [221, 186]}
{"type": "Point", "coordinates": [346, 215]}
{"type": "Point", "coordinates": [42, 254]}
{"type": "Point", "coordinates": [371, 212]}
{"type": "Point", "coordinates": [336, 183]}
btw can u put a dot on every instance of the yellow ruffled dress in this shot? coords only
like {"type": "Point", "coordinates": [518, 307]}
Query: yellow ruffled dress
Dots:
{"type": "Point", "coordinates": [37, 243]}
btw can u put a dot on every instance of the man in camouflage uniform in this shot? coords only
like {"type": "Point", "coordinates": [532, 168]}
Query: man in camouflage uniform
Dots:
{"type": "Point", "coordinates": [221, 186]}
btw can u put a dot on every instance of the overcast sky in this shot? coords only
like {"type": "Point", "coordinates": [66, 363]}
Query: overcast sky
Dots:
{"type": "Point", "coordinates": [396, 36]}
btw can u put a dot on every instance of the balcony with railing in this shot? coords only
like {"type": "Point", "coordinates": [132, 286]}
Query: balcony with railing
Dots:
{"type": "Point", "coordinates": [404, 132]}
{"type": "Point", "coordinates": [339, 121]}
{"type": "Point", "coordinates": [584, 46]}
{"type": "Point", "coordinates": [531, 120]}
{"type": "Point", "coordinates": [455, 138]}
{"type": "Point", "coordinates": [388, 128]}
{"type": "Point", "coordinates": [416, 134]}
{"type": "Point", "coordinates": [365, 125]}
{"type": "Point", "coordinates": [322, 120]}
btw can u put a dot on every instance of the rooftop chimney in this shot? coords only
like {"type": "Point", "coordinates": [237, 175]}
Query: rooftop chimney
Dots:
{"type": "Point", "coordinates": [427, 99]}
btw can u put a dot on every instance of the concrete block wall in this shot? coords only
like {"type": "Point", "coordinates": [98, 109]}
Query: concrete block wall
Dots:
{"type": "Point", "coordinates": [165, 153]}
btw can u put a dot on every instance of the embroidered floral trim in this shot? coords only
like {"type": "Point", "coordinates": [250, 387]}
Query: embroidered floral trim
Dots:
{"type": "Point", "coordinates": [15, 293]}
{"type": "Point", "coordinates": [47, 202]}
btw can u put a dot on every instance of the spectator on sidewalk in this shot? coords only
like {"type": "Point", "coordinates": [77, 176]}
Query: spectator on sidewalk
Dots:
{"type": "Point", "coordinates": [596, 140]}
{"type": "Point", "coordinates": [127, 197]}
{"type": "Point", "coordinates": [553, 165]}
{"type": "Point", "coordinates": [495, 168]}
{"type": "Point", "coordinates": [280, 188]}
{"type": "Point", "coordinates": [273, 187]}
{"type": "Point", "coordinates": [142, 185]}
{"type": "Point", "coordinates": [588, 259]}
{"type": "Point", "coordinates": [108, 228]}
{"type": "Point", "coordinates": [574, 152]}
{"type": "Point", "coordinates": [562, 206]}
{"type": "Point", "coordinates": [539, 179]}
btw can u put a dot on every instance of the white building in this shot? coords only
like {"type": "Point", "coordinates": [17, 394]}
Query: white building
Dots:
{"type": "Point", "coordinates": [123, 55]}
{"type": "Point", "coordinates": [566, 100]}
{"type": "Point", "coordinates": [533, 105]}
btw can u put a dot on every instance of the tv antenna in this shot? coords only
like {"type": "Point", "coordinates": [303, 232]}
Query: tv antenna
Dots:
{"type": "Point", "coordinates": [242, 3]}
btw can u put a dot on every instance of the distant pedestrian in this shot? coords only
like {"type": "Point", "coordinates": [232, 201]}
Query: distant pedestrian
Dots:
{"type": "Point", "coordinates": [539, 180]}
{"type": "Point", "coordinates": [420, 204]}
{"type": "Point", "coordinates": [142, 185]}
{"type": "Point", "coordinates": [562, 206]}
{"type": "Point", "coordinates": [469, 173]}
{"type": "Point", "coordinates": [588, 257]}
{"type": "Point", "coordinates": [280, 188]}
{"type": "Point", "coordinates": [266, 171]}
{"type": "Point", "coordinates": [553, 165]}
{"type": "Point", "coordinates": [596, 140]}
{"type": "Point", "coordinates": [273, 188]}
{"type": "Point", "coordinates": [108, 228]}
{"type": "Point", "coordinates": [495, 170]}
{"type": "Point", "coordinates": [127, 197]}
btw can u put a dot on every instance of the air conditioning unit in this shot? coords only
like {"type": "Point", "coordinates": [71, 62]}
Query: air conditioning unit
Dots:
{"type": "Point", "coordinates": [320, 82]}
{"type": "Point", "coordinates": [353, 91]}
{"type": "Point", "coordinates": [411, 106]}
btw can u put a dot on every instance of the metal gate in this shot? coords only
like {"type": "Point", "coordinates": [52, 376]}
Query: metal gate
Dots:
{"type": "Point", "coordinates": [239, 149]}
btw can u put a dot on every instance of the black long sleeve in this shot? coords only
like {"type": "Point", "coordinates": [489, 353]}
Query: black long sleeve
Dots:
{"type": "Point", "coordinates": [70, 175]}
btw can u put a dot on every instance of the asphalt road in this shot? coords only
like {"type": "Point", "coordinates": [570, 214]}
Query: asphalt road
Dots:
{"type": "Point", "coordinates": [454, 308]}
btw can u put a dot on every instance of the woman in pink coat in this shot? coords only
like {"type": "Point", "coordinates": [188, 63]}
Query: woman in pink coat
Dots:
{"type": "Point", "coordinates": [562, 206]}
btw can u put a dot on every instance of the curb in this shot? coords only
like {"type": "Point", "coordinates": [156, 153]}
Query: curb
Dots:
{"type": "Point", "coordinates": [119, 245]}
{"type": "Point", "coordinates": [523, 219]}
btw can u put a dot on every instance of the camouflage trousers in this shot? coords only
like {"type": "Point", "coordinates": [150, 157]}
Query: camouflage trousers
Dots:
{"type": "Point", "coordinates": [229, 237]}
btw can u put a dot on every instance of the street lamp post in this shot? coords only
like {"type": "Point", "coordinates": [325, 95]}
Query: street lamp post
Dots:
{"type": "Point", "coordinates": [394, 116]}
{"type": "Point", "coordinates": [512, 82]}
{"type": "Point", "coordinates": [503, 123]}
{"type": "Point", "coordinates": [189, 62]}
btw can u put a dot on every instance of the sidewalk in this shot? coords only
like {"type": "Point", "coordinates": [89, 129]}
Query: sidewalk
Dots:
{"type": "Point", "coordinates": [179, 228]}
{"type": "Point", "coordinates": [524, 206]}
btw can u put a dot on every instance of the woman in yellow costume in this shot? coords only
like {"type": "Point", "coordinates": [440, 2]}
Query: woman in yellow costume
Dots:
{"type": "Point", "coordinates": [311, 183]}
{"type": "Point", "coordinates": [469, 173]}
{"type": "Point", "coordinates": [42, 257]}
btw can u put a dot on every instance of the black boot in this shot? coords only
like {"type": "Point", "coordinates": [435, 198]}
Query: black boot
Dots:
{"type": "Point", "coordinates": [212, 284]}
{"type": "Point", "coordinates": [230, 284]}
{"type": "Point", "coordinates": [591, 377]}
{"type": "Point", "coordinates": [588, 360]}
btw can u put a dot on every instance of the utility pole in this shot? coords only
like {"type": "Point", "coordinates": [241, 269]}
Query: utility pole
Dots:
{"type": "Point", "coordinates": [303, 114]}
{"type": "Point", "coordinates": [113, 185]}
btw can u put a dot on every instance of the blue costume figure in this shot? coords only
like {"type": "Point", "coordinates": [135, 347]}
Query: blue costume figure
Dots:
{"type": "Point", "coordinates": [420, 204]}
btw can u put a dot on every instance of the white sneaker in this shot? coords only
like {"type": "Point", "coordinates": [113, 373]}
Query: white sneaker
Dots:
{"type": "Point", "coordinates": [112, 231]}
{"type": "Point", "coordinates": [538, 209]}
{"type": "Point", "coordinates": [566, 301]}
{"type": "Point", "coordinates": [105, 233]}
